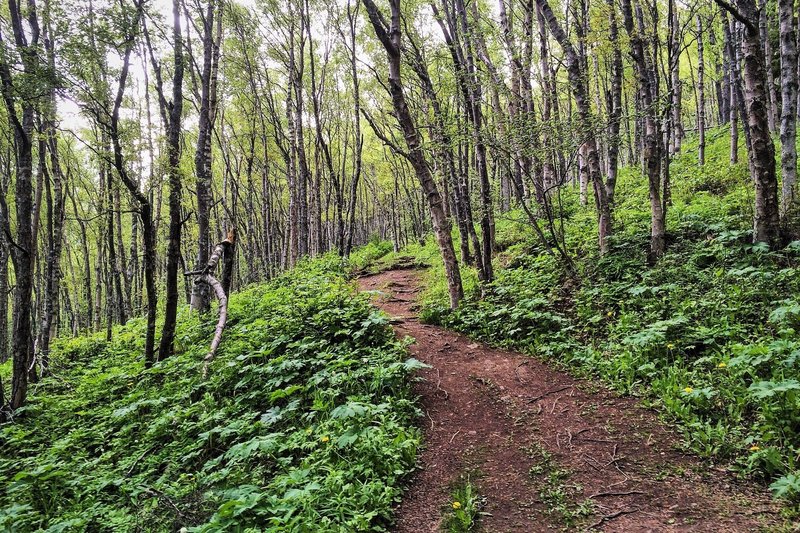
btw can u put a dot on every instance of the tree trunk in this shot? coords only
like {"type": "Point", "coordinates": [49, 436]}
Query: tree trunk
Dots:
{"type": "Point", "coordinates": [463, 207]}
{"type": "Point", "coordinates": [772, 99]}
{"type": "Point", "coordinates": [788, 42]}
{"type": "Point", "coordinates": [731, 77]}
{"type": "Point", "coordinates": [145, 209]}
{"type": "Point", "coordinates": [201, 295]}
{"type": "Point", "coordinates": [48, 327]}
{"type": "Point", "coordinates": [701, 96]}
{"type": "Point", "coordinates": [22, 253]}
{"type": "Point", "coordinates": [352, 16]}
{"type": "Point", "coordinates": [675, 80]}
{"type": "Point", "coordinates": [761, 151]}
{"type": "Point", "coordinates": [614, 104]}
{"type": "Point", "coordinates": [652, 138]}
{"type": "Point", "coordinates": [173, 111]}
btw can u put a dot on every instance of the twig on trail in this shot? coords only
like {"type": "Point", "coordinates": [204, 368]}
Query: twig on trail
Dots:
{"type": "Point", "coordinates": [554, 405]}
{"type": "Point", "coordinates": [516, 372]}
{"type": "Point", "coordinates": [618, 483]}
{"type": "Point", "coordinates": [578, 433]}
{"type": "Point", "coordinates": [454, 436]}
{"type": "Point", "coordinates": [613, 493]}
{"type": "Point", "coordinates": [571, 436]}
{"type": "Point", "coordinates": [438, 383]}
{"type": "Point", "coordinates": [611, 516]}
{"type": "Point", "coordinates": [600, 440]}
{"type": "Point", "coordinates": [431, 418]}
{"type": "Point", "coordinates": [591, 462]}
{"type": "Point", "coordinates": [548, 393]}
{"type": "Point", "coordinates": [614, 457]}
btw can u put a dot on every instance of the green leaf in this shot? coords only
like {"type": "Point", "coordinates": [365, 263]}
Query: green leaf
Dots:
{"type": "Point", "coordinates": [767, 389]}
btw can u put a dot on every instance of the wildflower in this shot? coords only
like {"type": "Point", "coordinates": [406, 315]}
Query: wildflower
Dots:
{"type": "Point", "coordinates": [721, 365]}
{"type": "Point", "coordinates": [456, 505]}
{"type": "Point", "coordinates": [754, 448]}
{"type": "Point", "coordinates": [688, 390]}
{"type": "Point", "coordinates": [610, 313]}
{"type": "Point", "coordinates": [325, 439]}
{"type": "Point", "coordinates": [670, 346]}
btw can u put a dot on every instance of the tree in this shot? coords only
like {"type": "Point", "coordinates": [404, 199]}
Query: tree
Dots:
{"type": "Point", "coordinates": [701, 95]}
{"type": "Point", "coordinates": [201, 295]}
{"type": "Point", "coordinates": [788, 48]}
{"type": "Point", "coordinates": [56, 210]}
{"type": "Point", "coordinates": [358, 142]}
{"type": "Point", "coordinates": [578, 82]}
{"type": "Point", "coordinates": [171, 112]}
{"type": "Point", "coordinates": [652, 154]}
{"type": "Point", "coordinates": [26, 44]}
{"type": "Point", "coordinates": [761, 150]}
{"type": "Point", "coordinates": [112, 130]}
{"type": "Point", "coordinates": [389, 36]}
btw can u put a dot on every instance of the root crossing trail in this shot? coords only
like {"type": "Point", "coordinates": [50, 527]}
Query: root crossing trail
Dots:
{"type": "Point", "coordinates": [547, 451]}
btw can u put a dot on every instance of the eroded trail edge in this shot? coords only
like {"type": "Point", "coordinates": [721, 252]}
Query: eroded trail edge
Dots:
{"type": "Point", "coordinates": [546, 450]}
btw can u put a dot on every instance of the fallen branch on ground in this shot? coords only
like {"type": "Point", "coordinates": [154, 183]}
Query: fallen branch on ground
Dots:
{"type": "Point", "coordinates": [611, 516]}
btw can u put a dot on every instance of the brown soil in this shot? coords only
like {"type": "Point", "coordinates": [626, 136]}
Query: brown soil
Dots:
{"type": "Point", "coordinates": [536, 441]}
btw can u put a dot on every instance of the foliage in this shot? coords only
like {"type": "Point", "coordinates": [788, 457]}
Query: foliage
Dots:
{"type": "Point", "coordinates": [304, 424]}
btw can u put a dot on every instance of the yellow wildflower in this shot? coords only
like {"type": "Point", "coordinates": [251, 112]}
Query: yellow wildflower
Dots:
{"type": "Point", "coordinates": [456, 505]}
{"type": "Point", "coordinates": [610, 313]}
{"type": "Point", "coordinates": [754, 448]}
{"type": "Point", "coordinates": [325, 439]}
{"type": "Point", "coordinates": [670, 346]}
{"type": "Point", "coordinates": [721, 365]}
{"type": "Point", "coordinates": [688, 390]}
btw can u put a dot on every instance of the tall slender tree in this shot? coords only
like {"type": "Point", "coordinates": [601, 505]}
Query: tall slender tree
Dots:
{"type": "Point", "coordinates": [389, 36]}
{"type": "Point", "coordinates": [761, 150]}
{"type": "Point", "coordinates": [788, 49]}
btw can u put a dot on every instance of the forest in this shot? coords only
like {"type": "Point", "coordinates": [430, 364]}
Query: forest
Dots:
{"type": "Point", "coordinates": [384, 265]}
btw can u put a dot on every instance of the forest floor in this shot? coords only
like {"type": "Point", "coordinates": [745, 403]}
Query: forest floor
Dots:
{"type": "Point", "coordinates": [547, 451]}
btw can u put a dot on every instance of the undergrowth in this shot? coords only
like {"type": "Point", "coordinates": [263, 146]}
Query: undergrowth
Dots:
{"type": "Point", "coordinates": [709, 335]}
{"type": "Point", "coordinates": [305, 422]}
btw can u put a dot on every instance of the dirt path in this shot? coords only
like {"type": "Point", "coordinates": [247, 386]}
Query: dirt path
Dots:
{"type": "Point", "coordinates": [546, 450]}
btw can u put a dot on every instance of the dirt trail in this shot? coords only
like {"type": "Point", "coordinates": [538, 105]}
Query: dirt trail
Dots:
{"type": "Point", "coordinates": [538, 442]}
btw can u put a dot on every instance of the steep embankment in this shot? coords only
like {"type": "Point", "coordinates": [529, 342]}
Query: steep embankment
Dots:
{"type": "Point", "coordinates": [546, 450]}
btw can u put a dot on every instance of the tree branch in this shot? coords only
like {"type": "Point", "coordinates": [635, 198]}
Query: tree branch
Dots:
{"type": "Point", "coordinates": [736, 14]}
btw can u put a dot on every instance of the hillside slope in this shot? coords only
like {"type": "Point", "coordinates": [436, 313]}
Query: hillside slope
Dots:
{"type": "Point", "coordinates": [304, 424]}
